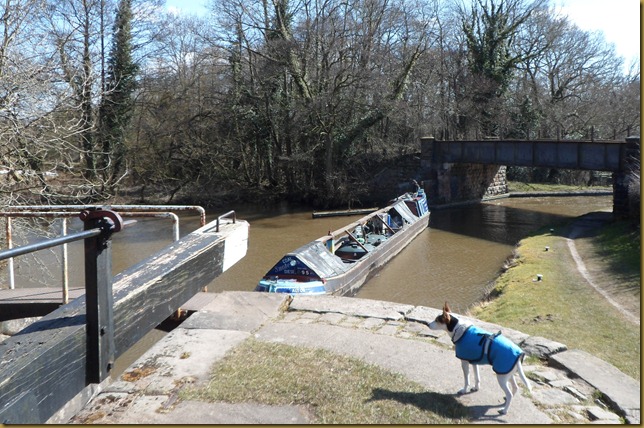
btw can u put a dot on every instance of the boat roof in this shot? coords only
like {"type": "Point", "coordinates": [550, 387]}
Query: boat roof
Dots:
{"type": "Point", "coordinates": [319, 259]}
{"type": "Point", "coordinates": [399, 205]}
{"type": "Point", "coordinates": [316, 256]}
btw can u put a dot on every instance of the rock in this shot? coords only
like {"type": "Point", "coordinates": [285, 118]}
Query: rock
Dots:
{"type": "Point", "coordinates": [549, 375]}
{"type": "Point", "coordinates": [350, 306]}
{"type": "Point", "coordinates": [553, 397]}
{"type": "Point", "coordinates": [621, 390]}
{"type": "Point", "coordinates": [541, 347]}
{"type": "Point", "coordinates": [596, 413]}
{"type": "Point", "coordinates": [561, 383]}
{"type": "Point", "coordinates": [576, 416]}
{"type": "Point", "coordinates": [573, 391]}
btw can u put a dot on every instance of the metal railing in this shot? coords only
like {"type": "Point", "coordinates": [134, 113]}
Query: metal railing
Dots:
{"type": "Point", "coordinates": [99, 225]}
{"type": "Point", "coordinates": [119, 208]}
{"type": "Point", "coordinates": [67, 211]}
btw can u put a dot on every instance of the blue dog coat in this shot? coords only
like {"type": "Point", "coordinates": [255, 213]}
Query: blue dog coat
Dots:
{"type": "Point", "coordinates": [501, 353]}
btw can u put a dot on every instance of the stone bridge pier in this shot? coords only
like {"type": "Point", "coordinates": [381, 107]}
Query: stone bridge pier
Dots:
{"type": "Point", "coordinates": [448, 183]}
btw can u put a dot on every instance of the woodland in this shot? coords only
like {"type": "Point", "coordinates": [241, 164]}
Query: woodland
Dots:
{"type": "Point", "coordinates": [301, 101]}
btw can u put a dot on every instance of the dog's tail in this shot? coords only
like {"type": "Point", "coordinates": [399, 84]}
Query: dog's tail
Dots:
{"type": "Point", "coordinates": [522, 375]}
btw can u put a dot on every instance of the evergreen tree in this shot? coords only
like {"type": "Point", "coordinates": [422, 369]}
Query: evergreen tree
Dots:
{"type": "Point", "coordinates": [117, 104]}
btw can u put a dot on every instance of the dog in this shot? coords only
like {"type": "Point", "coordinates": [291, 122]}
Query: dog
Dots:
{"type": "Point", "coordinates": [475, 346]}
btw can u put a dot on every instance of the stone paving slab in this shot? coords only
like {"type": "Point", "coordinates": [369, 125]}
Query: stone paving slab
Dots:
{"type": "Point", "coordinates": [181, 357]}
{"type": "Point", "coordinates": [237, 311]}
{"type": "Point", "coordinates": [350, 306]}
{"type": "Point", "coordinates": [148, 391]}
{"type": "Point", "coordinates": [541, 347]}
{"type": "Point", "coordinates": [618, 387]}
{"type": "Point", "coordinates": [150, 410]}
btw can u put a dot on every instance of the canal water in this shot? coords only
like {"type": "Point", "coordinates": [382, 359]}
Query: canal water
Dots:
{"type": "Point", "coordinates": [453, 260]}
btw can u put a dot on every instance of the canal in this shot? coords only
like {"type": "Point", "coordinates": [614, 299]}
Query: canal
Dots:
{"type": "Point", "coordinates": [454, 260]}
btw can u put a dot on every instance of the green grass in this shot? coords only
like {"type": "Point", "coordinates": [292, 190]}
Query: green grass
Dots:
{"type": "Point", "coordinates": [517, 186]}
{"type": "Point", "coordinates": [336, 389]}
{"type": "Point", "coordinates": [620, 242]}
{"type": "Point", "coordinates": [562, 307]}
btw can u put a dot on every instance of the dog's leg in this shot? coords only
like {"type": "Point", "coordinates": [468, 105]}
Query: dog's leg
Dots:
{"type": "Point", "coordinates": [524, 379]}
{"type": "Point", "coordinates": [477, 377]}
{"type": "Point", "coordinates": [513, 384]}
{"type": "Point", "coordinates": [503, 383]}
{"type": "Point", "coordinates": [466, 377]}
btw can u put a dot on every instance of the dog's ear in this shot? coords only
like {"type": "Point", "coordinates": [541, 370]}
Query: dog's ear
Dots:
{"type": "Point", "coordinates": [446, 316]}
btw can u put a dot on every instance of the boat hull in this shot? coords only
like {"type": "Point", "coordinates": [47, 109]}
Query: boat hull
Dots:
{"type": "Point", "coordinates": [316, 269]}
{"type": "Point", "coordinates": [349, 283]}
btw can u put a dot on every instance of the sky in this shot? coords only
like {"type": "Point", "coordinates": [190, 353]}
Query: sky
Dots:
{"type": "Point", "coordinates": [619, 20]}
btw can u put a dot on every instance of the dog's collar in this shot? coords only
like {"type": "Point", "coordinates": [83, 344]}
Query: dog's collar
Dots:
{"type": "Point", "coordinates": [459, 330]}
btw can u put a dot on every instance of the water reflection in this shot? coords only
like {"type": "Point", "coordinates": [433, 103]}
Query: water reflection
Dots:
{"type": "Point", "coordinates": [497, 222]}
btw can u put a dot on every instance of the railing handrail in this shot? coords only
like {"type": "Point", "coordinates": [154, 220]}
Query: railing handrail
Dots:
{"type": "Point", "coordinates": [72, 211]}
{"type": "Point", "coordinates": [228, 214]}
{"type": "Point", "coordinates": [48, 243]}
{"type": "Point", "coordinates": [199, 209]}
{"type": "Point", "coordinates": [100, 224]}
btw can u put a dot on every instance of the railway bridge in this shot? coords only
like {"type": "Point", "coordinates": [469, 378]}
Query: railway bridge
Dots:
{"type": "Point", "coordinates": [469, 170]}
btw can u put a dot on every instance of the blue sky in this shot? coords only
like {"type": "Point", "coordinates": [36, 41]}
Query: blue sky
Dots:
{"type": "Point", "coordinates": [619, 20]}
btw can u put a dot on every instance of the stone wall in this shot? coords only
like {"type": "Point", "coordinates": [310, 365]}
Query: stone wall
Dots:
{"type": "Point", "coordinates": [452, 183]}
{"type": "Point", "coordinates": [626, 183]}
{"type": "Point", "coordinates": [444, 183]}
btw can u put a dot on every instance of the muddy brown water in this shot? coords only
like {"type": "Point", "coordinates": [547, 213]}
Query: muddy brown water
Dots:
{"type": "Point", "coordinates": [454, 260]}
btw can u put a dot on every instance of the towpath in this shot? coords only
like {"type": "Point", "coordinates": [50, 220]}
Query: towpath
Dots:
{"type": "Point", "coordinates": [390, 335]}
{"type": "Point", "coordinates": [626, 300]}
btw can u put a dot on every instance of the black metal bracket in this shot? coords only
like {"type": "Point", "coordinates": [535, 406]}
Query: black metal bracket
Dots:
{"type": "Point", "coordinates": [98, 292]}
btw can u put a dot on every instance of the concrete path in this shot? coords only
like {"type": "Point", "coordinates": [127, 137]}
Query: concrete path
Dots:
{"type": "Point", "coordinates": [390, 335]}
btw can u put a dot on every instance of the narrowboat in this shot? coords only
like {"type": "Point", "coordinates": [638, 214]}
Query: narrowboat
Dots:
{"type": "Point", "coordinates": [341, 262]}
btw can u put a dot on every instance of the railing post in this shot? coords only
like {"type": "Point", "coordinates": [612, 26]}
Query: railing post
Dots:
{"type": "Point", "coordinates": [98, 293]}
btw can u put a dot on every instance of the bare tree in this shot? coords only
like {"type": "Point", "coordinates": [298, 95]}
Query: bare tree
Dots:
{"type": "Point", "coordinates": [320, 77]}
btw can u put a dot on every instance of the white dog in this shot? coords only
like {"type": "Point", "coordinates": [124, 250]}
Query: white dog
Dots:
{"type": "Point", "coordinates": [476, 346]}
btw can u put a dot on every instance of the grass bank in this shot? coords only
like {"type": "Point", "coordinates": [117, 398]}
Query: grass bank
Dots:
{"type": "Point", "coordinates": [336, 389]}
{"type": "Point", "coordinates": [518, 186]}
{"type": "Point", "coordinates": [563, 306]}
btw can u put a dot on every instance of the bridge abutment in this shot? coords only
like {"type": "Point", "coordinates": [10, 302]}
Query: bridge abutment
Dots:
{"type": "Point", "coordinates": [626, 196]}
{"type": "Point", "coordinates": [450, 183]}
{"type": "Point", "coordinates": [447, 183]}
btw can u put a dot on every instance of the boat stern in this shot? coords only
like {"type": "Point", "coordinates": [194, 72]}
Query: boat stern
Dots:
{"type": "Point", "coordinates": [291, 286]}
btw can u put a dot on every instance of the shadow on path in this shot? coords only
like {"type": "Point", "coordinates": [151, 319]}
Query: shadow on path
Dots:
{"type": "Point", "coordinates": [441, 404]}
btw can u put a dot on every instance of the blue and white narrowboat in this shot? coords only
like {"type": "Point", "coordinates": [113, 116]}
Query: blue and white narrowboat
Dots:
{"type": "Point", "coordinates": [342, 261]}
